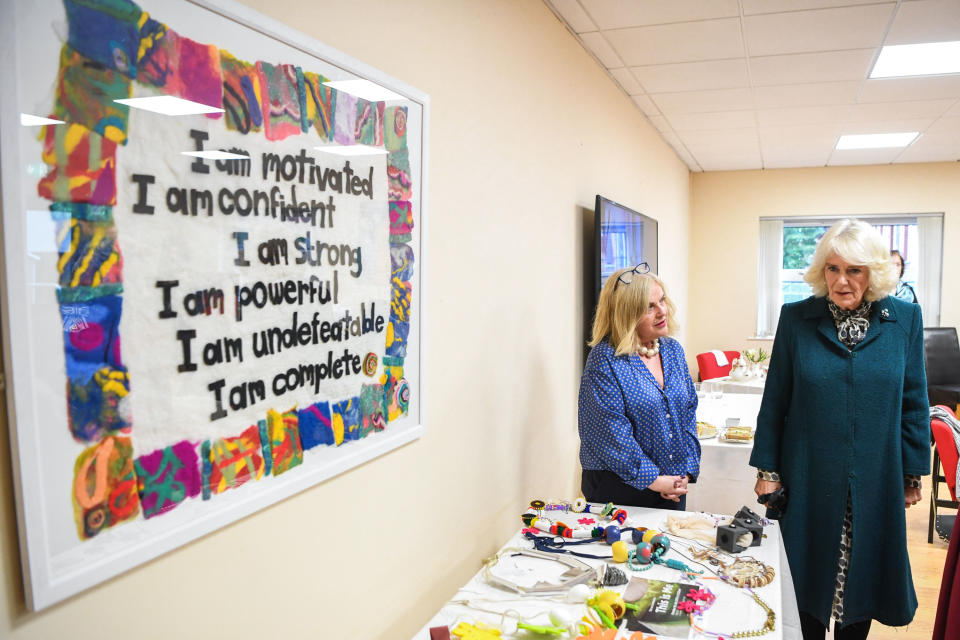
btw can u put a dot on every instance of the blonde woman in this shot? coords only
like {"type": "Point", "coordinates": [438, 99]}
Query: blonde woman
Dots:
{"type": "Point", "coordinates": [844, 427]}
{"type": "Point", "coordinates": [637, 404]}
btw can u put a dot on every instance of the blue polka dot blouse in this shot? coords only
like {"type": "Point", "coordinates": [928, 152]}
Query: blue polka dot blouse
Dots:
{"type": "Point", "coordinates": [631, 426]}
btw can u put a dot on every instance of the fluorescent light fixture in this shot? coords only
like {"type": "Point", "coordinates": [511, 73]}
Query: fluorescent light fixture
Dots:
{"type": "Point", "coordinates": [213, 154]}
{"type": "Point", "coordinates": [364, 89]}
{"type": "Point", "coordinates": [169, 106]}
{"type": "Point", "coordinates": [27, 120]}
{"type": "Point", "coordinates": [876, 140]}
{"type": "Point", "coordinates": [352, 150]}
{"type": "Point", "coordinates": [930, 58]}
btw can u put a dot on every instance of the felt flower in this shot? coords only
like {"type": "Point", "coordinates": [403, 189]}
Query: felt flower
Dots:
{"type": "Point", "coordinates": [586, 520]}
{"type": "Point", "coordinates": [689, 606]}
{"type": "Point", "coordinates": [700, 594]}
{"type": "Point", "coordinates": [530, 530]}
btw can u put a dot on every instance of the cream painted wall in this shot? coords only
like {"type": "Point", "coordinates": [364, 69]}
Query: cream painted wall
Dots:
{"type": "Point", "coordinates": [725, 210]}
{"type": "Point", "coordinates": [526, 129]}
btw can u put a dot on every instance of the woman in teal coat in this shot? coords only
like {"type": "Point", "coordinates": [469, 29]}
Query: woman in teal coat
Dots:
{"type": "Point", "coordinates": [844, 426]}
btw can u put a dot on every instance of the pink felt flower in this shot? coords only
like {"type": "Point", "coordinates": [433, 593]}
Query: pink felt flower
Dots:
{"type": "Point", "coordinates": [586, 520]}
{"type": "Point", "coordinates": [689, 606]}
{"type": "Point", "coordinates": [530, 530]}
{"type": "Point", "coordinates": [700, 594]}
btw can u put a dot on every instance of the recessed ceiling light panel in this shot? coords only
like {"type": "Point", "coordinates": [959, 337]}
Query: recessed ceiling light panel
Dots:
{"type": "Point", "coordinates": [930, 58]}
{"type": "Point", "coordinates": [169, 105]}
{"type": "Point", "coordinates": [876, 140]}
{"type": "Point", "coordinates": [364, 89]}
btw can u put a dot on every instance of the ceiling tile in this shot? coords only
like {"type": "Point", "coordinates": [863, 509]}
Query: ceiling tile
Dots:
{"type": "Point", "coordinates": [803, 95]}
{"type": "Point", "coordinates": [806, 145]}
{"type": "Point", "coordinates": [827, 66]}
{"type": "Point", "coordinates": [784, 116]}
{"type": "Point", "coordinates": [646, 105]}
{"type": "Point", "coordinates": [925, 21]}
{"type": "Point", "coordinates": [660, 123]}
{"type": "Point", "coordinates": [704, 101]}
{"type": "Point", "coordinates": [734, 141]}
{"type": "Point", "coordinates": [792, 158]}
{"type": "Point", "coordinates": [706, 121]}
{"type": "Point", "coordinates": [595, 42]}
{"type": "Point", "coordinates": [729, 161]}
{"type": "Point", "coordinates": [859, 27]}
{"type": "Point", "coordinates": [573, 14]}
{"type": "Point", "coordinates": [928, 154]}
{"type": "Point", "coordinates": [752, 7]}
{"type": "Point", "coordinates": [617, 14]}
{"type": "Point", "coordinates": [887, 126]}
{"type": "Point", "coordinates": [693, 76]}
{"type": "Point", "coordinates": [863, 156]}
{"type": "Point", "coordinates": [682, 42]}
{"type": "Point", "coordinates": [807, 136]}
{"type": "Point", "coordinates": [880, 111]}
{"type": "Point", "coordinates": [626, 80]}
{"type": "Point", "coordinates": [677, 145]}
{"type": "Point", "coordinates": [940, 144]}
{"type": "Point", "coordinates": [946, 129]}
{"type": "Point", "coordinates": [895, 89]}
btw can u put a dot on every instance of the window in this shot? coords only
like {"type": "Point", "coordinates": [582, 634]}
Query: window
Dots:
{"type": "Point", "coordinates": [787, 246]}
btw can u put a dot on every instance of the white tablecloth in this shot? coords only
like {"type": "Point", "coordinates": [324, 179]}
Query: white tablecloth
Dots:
{"type": "Point", "coordinates": [751, 385]}
{"type": "Point", "coordinates": [726, 479]}
{"type": "Point", "coordinates": [733, 611]}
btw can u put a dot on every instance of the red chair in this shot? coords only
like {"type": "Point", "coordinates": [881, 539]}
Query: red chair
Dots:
{"type": "Point", "coordinates": [945, 454]}
{"type": "Point", "coordinates": [710, 368]}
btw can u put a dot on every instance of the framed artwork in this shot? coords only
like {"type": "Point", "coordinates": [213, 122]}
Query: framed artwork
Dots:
{"type": "Point", "coordinates": [213, 273]}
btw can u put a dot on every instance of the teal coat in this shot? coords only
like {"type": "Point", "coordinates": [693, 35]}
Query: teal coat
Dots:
{"type": "Point", "coordinates": [834, 421]}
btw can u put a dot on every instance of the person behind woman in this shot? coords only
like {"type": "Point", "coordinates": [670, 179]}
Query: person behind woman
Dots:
{"type": "Point", "coordinates": [904, 290]}
{"type": "Point", "coordinates": [844, 427]}
{"type": "Point", "coordinates": [637, 404]}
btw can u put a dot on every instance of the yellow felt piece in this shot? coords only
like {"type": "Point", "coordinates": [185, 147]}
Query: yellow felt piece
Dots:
{"type": "Point", "coordinates": [478, 631]}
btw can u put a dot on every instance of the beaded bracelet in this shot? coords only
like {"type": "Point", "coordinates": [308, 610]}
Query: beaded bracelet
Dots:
{"type": "Point", "coordinates": [769, 625]}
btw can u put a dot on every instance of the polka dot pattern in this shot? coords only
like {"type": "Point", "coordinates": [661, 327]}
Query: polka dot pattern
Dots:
{"type": "Point", "coordinates": [630, 425]}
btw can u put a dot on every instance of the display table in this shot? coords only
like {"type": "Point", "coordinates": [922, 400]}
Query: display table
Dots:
{"type": "Point", "coordinates": [733, 610]}
{"type": "Point", "coordinates": [752, 385]}
{"type": "Point", "coordinates": [726, 478]}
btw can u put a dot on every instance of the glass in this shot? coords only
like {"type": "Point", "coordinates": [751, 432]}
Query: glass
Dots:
{"type": "Point", "coordinates": [641, 269]}
{"type": "Point", "coordinates": [715, 390]}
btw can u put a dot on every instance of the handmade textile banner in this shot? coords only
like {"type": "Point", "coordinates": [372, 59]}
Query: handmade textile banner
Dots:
{"type": "Point", "coordinates": [229, 324]}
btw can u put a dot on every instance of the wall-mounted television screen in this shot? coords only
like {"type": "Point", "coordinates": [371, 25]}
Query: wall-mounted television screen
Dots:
{"type": "Point", "coordinates": [624, 238]}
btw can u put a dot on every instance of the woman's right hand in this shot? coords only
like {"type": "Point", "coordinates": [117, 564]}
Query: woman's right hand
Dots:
{"type": "Point", "coordinates": [669, 487]}
{"type": "Point", "coordinates": [763, 487]}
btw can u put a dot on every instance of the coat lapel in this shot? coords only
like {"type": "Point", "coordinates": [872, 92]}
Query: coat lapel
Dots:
{"type": "Point", "coordinates": [817, 311]}
{"type": "Point", "coordinates": [881, 315]}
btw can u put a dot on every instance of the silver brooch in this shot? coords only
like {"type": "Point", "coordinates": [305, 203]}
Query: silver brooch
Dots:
{"type": "Point", "coordinates": [884, 314]}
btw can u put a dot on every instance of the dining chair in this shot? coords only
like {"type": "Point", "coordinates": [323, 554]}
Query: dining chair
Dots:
{"type": "Point", "coordinates": [945, 457]}
{"type": "Point", "coordinates": [709, 363]}
{"type": "Point", "coordinates": [942, 353]}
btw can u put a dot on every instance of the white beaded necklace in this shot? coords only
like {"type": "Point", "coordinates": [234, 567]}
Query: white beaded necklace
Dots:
{"type": "Point", "coordinates": [652, 351]}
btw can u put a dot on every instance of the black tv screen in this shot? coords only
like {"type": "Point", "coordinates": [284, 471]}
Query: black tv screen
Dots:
{"type": "Point", "coordinates": [624, 238]}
